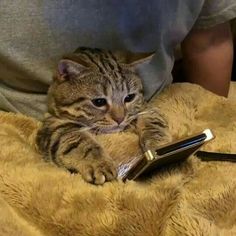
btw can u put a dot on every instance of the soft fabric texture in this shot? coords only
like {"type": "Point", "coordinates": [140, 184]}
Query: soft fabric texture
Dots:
{"type": "Point", "coordinates": [35, 35]}
{"type": "Point", "coordinates": [193, 198]}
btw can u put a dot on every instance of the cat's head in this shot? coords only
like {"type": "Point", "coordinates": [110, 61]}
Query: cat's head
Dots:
{"type": "Point", "coordinates": [98, 88]}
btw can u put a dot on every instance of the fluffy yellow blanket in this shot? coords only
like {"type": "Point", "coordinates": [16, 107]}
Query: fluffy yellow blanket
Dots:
{"type": "Point", "coordinates": [194, 198]}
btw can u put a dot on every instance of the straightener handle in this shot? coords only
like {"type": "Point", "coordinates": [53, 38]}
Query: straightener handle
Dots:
{"type": "Point", "coordinates": [215, 156]}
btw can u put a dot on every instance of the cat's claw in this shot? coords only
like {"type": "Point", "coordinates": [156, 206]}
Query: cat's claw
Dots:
{"type": "Point", "coordinates": [98, 172]}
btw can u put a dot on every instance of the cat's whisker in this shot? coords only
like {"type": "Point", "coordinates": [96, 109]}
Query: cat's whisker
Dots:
{"type": "Point", "coordinates": [74, 122]}
{"type": "Point", "coordinates": [86, 128]}
{"type": "Point", "coordinates": [102, 123]}
{"type": "Point", "coordinates": [139, 114]}
{"type": "Point", "coordinates": [145, 112]}
{"type": "Point", "coordinates": [131, 118]}
{"type": "Point", "coordinates": [83, 127]}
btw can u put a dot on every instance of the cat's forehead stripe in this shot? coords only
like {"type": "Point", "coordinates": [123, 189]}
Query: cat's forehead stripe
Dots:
{"type": "Point", "coordinates": [105, 61]}
{"type": "Point", "coordinates": [92, 59]}
{"type": "Point", "coordinates": [111, 80]}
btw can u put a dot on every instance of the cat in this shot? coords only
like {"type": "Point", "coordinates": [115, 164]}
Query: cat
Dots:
{"type": "Point", "coordinates": [96, 91]}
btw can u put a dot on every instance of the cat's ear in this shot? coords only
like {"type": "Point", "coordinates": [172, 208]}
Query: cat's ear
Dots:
{"type": "Point", "coordinates": [68, 69]}
{"type": "Point", "coordinates": [137, 59]}
{"type": "Point", "coordinates": [134, 60]}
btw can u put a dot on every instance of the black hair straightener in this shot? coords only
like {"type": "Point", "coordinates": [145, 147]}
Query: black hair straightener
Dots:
{"type": "Point", "coordinates": [173, 152]}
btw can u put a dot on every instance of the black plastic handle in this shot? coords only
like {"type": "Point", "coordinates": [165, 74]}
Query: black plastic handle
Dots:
{"type": "Point", "coordinates": [215, 156]}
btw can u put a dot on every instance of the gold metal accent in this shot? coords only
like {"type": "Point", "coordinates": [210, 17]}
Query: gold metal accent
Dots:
{"type": "Point", "coordinates": [150, 155]}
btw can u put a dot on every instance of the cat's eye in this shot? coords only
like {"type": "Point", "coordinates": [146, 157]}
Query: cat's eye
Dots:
{"type": "Point", "coordinates": [99, 102]}
{"type": "Point", "coordinates": [129, 98]}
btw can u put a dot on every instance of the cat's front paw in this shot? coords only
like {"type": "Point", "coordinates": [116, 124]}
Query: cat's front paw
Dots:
{"type": "Point", "coordinates": [154, 143]}
{"type": "Point", "coordinates": [98, 171]}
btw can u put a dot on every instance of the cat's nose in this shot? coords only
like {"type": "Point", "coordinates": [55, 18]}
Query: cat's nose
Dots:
{"type": "Point", "coordinates": [118, 119]}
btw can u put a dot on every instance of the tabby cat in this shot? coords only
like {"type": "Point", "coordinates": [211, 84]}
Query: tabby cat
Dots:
{"type": "Point", "coordinates": [96, 91]}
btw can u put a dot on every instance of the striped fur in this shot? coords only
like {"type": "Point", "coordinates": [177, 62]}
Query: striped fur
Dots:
{"type": "Point", "coordinates": [96, 91]}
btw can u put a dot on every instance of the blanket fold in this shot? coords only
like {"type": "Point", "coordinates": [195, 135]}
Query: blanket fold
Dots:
{"type": "Point", "coordinates": [191, 198]}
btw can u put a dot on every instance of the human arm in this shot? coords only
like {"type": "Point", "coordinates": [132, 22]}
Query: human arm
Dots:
{"type": "Point", "coordinates": [208, 57]}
